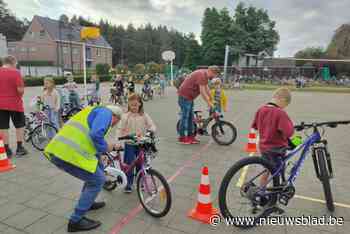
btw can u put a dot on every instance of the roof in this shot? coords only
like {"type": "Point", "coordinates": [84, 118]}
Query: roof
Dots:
{"type": "Point", "coordinates": [67, 32]}
{"type": "Point", "coordinates": [278, 62]}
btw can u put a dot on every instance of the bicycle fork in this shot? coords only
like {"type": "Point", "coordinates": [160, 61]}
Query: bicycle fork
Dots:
{"type": "Point", "coordinates": [322, 146]}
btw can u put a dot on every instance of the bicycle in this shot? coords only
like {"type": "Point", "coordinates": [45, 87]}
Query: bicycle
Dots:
{"type": "Point", "coordinates": [38, 129]}
{"type": "Point", "coordinates": [116, 97]}
{"type": "Point", "coordinates": [146, 179]}
{"type": "Point", "coordinates": [147, 93]}
{"type": "Point", "coordinates": [219, 130]}
{"type": "Point", "coordinates": [69, 110]}
{"type": "Point", "coordinates": [261, 197]}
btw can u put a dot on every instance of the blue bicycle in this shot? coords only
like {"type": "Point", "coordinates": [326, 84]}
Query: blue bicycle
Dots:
{"type": "Point", "coordinates": [254, 186]}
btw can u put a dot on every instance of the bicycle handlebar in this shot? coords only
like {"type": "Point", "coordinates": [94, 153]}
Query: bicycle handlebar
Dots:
{"type": "Point", "coordinates": [331, 124]}
{"type": "Point", "coordinates": [148, 136]}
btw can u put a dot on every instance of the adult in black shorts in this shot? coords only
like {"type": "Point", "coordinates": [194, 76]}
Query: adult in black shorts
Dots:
{"type": "Point", "coordinates": [11, 104]}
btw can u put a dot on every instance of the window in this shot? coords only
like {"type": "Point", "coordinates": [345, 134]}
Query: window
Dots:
{"type": "Point", "coordinates": [65, 50]}
{"type": "Point", "coordinates": [76, 51]}
{"type": "Point", "coordinates": [33, 49]}
{"type": "Point", "coordinates": [23, 49]}
{"type": "Point", "coordinates": [42, 33]}
{"type": "Point", "coordinates": [98, 51]}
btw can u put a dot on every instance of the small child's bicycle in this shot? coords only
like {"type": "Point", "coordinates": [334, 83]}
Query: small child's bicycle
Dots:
{"type": "Point", "coordinates": [223, 132]}
{"type": "Point", "coordinates": [38, 128]}
{"type": "Point", "coordinates": [244, 193]}
{"type": "Point", "coordinates": [152, 188]}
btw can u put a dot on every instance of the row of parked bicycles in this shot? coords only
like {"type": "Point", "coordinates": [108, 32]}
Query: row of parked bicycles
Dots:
{"type": "Point", "coordinates": [39, 130]}
{"type": "Point", "coordinates": [120, 96]}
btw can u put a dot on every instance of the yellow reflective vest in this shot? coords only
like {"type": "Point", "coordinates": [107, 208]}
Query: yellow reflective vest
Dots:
{"type": "Point", "coordinates": [73, 144]}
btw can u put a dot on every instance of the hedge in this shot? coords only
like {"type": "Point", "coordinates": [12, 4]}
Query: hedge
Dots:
{"type": "Point", "coordinates": [36, 63]}
{"type": "Point", "coordinates": [39, 81]}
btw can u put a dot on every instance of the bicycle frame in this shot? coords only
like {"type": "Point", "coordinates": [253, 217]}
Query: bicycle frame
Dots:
{"type": "Point", "coordinates": [200, 120]}
{"type": "Point", "coordinates": [304, 147]}
{"type": "Point", "coordinates": [139, 161]}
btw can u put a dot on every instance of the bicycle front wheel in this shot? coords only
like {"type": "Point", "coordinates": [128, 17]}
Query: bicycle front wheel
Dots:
{"type": "Point", "coordinates": [245, 192]}
{"type": "Point", "coordinates": [154, 193]}
{"type": "Point", "coordinates": [324, 176]}
{"type": "Point", "coordinates": [224, 133]}
{"type": "Point", "coordinates": [144, 97]}
{"type": "Point", "coordinates": [42, 135]}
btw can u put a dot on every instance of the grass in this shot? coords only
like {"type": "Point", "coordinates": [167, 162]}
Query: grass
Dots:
{"type": "Point", "coordinates": [325, 89]}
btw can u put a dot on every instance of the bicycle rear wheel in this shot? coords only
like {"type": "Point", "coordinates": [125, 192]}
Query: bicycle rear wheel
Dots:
{"type": "Point", "coordinates": [324, 177]}
{"type": "Point", "coordinates": [242, 195]}
{"type": "Point", "coordinates": [42, 135]}
{"type": "Point", "coordinates": [154, 193]}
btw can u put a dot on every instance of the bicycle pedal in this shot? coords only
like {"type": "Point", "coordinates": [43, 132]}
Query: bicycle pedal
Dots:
{"type": "Point", "coordinates": [283, 200]}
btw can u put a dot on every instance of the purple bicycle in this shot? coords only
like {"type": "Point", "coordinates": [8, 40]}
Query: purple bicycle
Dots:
{"type": "Point", "coordinates": [152, 188]}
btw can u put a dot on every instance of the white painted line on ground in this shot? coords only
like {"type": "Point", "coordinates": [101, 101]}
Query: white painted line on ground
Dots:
{"type": "Point", "coordinates": [321, 201]}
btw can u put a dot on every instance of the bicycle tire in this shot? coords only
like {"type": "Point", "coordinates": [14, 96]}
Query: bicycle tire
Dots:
{"type": "Point", "coordinates": [144, 97]}
{"type": "Point", "coordinates": [166, 187]}
{"type": "Point", "coordinates": [324, 177]}
{"type": "Point", "coordinates": [214, 132]}
{"type": "Point", "coordinates": [37, 130]}
{"type": "Point", "coordinates": [226, 182]}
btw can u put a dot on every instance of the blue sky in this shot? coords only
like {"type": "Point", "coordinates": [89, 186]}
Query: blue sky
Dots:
{"type": "Point", "coordinates": [300, 23]}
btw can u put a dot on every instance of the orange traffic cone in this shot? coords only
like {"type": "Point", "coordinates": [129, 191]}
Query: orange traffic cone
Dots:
{"type": "Point", "coordinates": [5, 163]}
{"type": "Point", "coordinates": [204, 209]}
{"type": "Point", "coordinates": [251, 145]}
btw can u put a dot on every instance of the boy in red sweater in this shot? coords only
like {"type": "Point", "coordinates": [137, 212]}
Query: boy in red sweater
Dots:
{"type": "Point", "coordinates": [274, 127]}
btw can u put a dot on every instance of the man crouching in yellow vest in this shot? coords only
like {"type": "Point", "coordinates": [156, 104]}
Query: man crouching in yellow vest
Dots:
{"type": "Point", "coordinates": [76, 149]}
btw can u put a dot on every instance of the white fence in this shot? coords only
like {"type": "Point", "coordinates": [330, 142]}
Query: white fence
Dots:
{"type": "Point", "coordinates": [41, 71]}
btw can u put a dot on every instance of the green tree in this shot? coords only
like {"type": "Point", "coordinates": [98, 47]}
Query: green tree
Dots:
{"type": "Point", "coordinates": [311, 52]}
{"type": "Point", "coordinates": [193, 56]}
{"type": "Point", "coordinates": [10, 26]}
{"type": "Point", "coordinates": [210, 46]}
{"type": "Point", "coordinates": [250, 30]}
{"type": "Point", "coordinates": [255, 30]}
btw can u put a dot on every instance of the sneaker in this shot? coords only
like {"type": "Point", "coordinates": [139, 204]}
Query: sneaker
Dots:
{"type": "Point", "coordinates": [194, 140]}
{"type": "Point", "coordinates": [128, 190]}
{"type": "Point", "coordinates": [21, 151]}
{"type": "Point", "coordinates": [186, 141]}
{"type": "Point", "coordinates": [9, 153]}
{"type": "Point", "coordinates": [84, 224]}
{"type": "Point", "coordinates": [97, 205]}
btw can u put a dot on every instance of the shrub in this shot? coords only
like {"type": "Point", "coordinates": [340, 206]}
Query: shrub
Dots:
{"type": "Point", "coordinates": [139, 69]}
{"type": "Point", "coordinates": [36, 63]}
{"type": "Point", "coordinates": [102, 69]}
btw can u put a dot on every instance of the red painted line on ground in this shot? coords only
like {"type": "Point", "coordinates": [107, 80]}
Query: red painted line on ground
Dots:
{"type": "Point", "coordinates": [118, 226]}
{"type": "Point", "coordinates": [125, 220]}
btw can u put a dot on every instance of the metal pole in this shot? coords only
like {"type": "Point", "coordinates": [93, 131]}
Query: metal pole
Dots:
{"type": "Point", "coordinates": [227, 50]}
{"type": "Point", "coordinates": [171, 73]}
{"type": "Point", "coordinates": [84, 67]}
